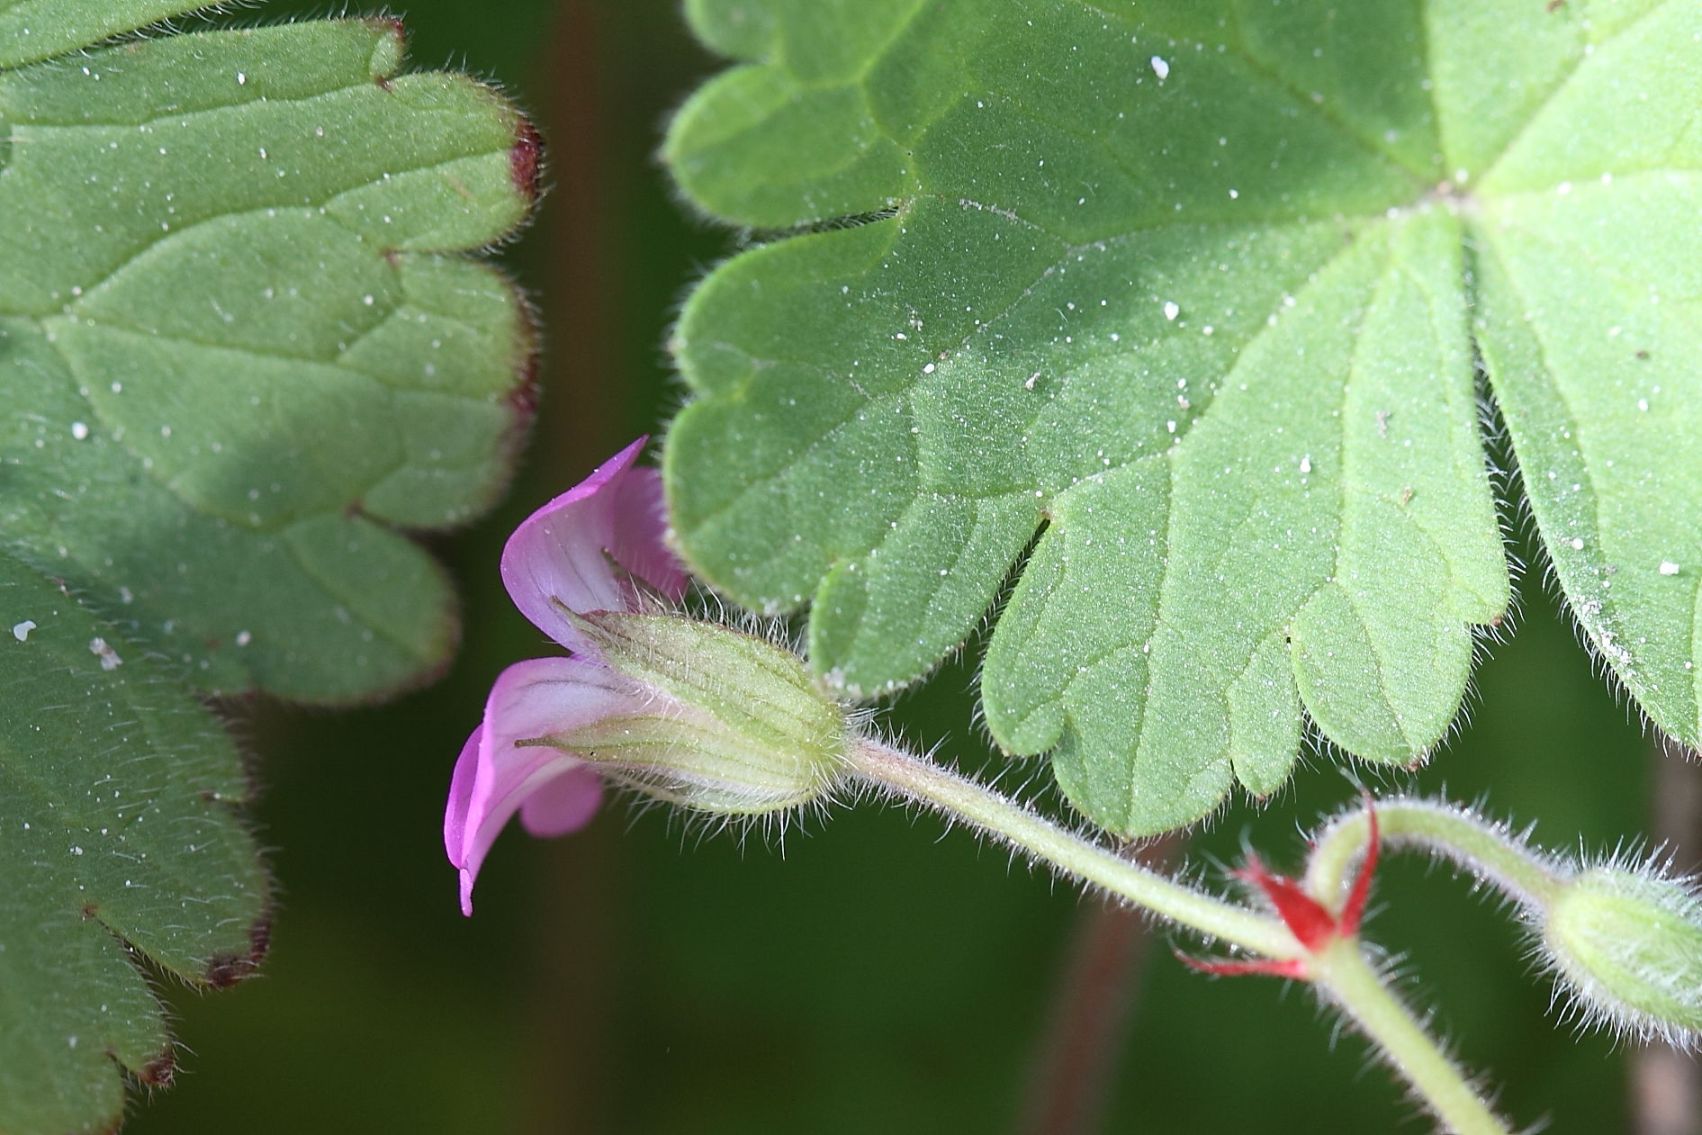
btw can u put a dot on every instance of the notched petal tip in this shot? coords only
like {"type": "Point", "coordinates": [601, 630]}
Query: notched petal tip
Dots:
{"type": "Point", "coordinates": [502, 767]}
{"type": "Point", "coordinates": [461, 797]}
{"type": "Point", "coordinates": [585, 549]}
{"type": "Point", "coordinates": [595, 548]}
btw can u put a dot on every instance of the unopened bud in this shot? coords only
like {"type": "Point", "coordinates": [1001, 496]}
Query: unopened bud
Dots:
{"type": "Point", "coordinates": [736, 725]}
{"type": "Point", "coordinates": [1629, 945]}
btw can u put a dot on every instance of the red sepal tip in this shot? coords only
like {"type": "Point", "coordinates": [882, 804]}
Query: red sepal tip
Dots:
{"type": "Point", "coordinates": [1353, 911]}
{"type": "Point", "coordinates": [1313, 925]}
{"type": "Point", "coordinates": [1293, 968]}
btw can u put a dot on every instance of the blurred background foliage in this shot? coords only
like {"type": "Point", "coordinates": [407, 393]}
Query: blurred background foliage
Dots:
{"type": "Point", "coordinates": [637, 978]}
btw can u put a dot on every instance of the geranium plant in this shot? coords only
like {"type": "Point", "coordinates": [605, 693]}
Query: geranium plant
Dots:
{"type": "Point", "coordinates": [1173, 333]}
{"type": "Point", "coordinates": [719, 721]}
{"type": "Point", "coordinates": [1188, 362]}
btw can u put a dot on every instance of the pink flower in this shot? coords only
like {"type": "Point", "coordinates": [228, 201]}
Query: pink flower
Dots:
{"type": "Point", "coordinates": [597, 547]}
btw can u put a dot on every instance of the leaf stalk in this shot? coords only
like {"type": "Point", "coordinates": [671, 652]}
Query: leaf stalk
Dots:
{"type": "Point", "coordinates": [1342, 973]}
{"type": "Point", "coordinates": [920, 781]}
{"type": "Point", "coordinates": [1347, 979]}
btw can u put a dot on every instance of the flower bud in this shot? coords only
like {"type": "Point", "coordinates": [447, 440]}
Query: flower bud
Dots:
{"type": "Point", "coordinates": [734, 725]}
{"type": "Point", "coordinates": [1629, 945]}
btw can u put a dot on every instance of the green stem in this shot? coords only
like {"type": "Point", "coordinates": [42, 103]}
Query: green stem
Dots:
{"type": "Point", "coordinates": [1485, 848]}
{"type": "Point", "coordinates": [961, 799]}
{"type": "Point", "coordinates": [1343, 975]}
{"type": "Point", "coordinates": [1340, 971]}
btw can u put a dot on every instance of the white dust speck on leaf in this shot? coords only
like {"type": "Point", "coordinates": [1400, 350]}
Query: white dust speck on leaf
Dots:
{"type": "Point", "coordinates": [21, 631]}
{"type": "Point", "coordinates": [80, 430]}
{"type": "Point", "coordinates": [1577, 544]}
{"type": "Point", "coordinates": [1668, 568]}
{"type": "Point", "coordinates": [102, 650]}
{"type": "Point", "coordinates": [1171, 310]}
{"type": "Point", "coordinates": [1305, 464]}
{"type": "Point", "coordinates": [243, 638]}
{"type": "Point", "coordinates": [1160, 68]}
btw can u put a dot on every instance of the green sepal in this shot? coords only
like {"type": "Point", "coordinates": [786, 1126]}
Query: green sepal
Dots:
{"type": "Point", "coordinates": [736, 725]}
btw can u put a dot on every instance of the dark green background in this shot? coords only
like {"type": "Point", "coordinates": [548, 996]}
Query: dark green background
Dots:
{"type": "Point", "coordinates": [639, 978]}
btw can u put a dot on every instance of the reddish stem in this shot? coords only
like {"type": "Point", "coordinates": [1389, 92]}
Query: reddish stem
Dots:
{"type": "Point", "coordinates": [1095, 996]}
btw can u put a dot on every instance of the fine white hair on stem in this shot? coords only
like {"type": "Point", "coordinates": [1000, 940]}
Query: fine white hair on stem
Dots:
{"type": "Point", "coordinates": [1619, 934]}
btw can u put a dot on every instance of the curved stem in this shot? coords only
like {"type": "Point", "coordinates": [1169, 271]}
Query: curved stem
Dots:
{"type": "Point", "coordinates": [1340, 970]}
{"type": "Point", "coordinates": [1486, 849]}
{"type": "Point", "coordinates": [959, 798]}
{"type": "Point", "coordinates": [1343, 975]}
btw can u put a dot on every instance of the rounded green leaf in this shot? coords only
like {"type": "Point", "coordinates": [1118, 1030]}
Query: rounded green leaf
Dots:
{"type": "Point", "coordinates": [240, 354]}
{"type": "Point", "coordinates": [118, 841]}
{"type": "Point", "coordinates": [33, 30]}
{"type": "Point", "coordinates": [229, 300]}
{"type": "Point", "coordinates": [1185, 303]}
{"type": "Point", "coordinates": [1588, 259]}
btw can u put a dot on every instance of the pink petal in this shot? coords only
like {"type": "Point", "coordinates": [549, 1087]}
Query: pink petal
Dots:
{"type": "Point", "coordinates": [564, 804]}
{"type": "Point", "coordinates": [495, 776]}
{"type": "Point", "coordinates": [561, 553]}
{"type": "Point", "coordinates": [461, 797]}
{"type": "Point", "coordinates": [640, 542]}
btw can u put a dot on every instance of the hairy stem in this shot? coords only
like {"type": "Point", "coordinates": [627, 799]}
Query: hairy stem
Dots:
{"type": "Point", "coordinates": [1345, 978]}
{"type": "Point", "coordinates": [1485, 849]}
{"type": "Point", "coordinates": [1008, 821]}
{"type": "Point", "coordinates": [1341, 972]}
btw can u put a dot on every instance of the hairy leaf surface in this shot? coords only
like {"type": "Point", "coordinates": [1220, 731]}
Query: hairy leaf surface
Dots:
{"type": "Point", "coordinates": [118, 840]}
{"type": "Point", "coordinates": [33, 30]}
{"type": "Point", "coordinates": [1173, 311]}
{"type": "Point", "coordinates": [240, 351]}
